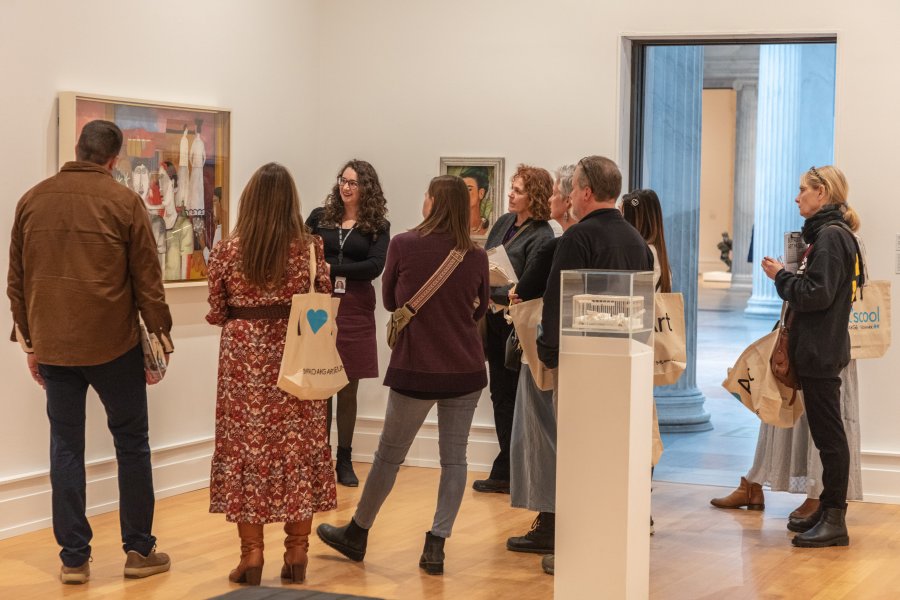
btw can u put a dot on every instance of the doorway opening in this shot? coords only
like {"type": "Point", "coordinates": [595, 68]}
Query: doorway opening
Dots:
{"type": "Point", "coordinates": [721, 130]}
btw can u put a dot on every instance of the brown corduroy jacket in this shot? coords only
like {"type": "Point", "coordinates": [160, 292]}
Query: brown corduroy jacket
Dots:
{"type": "Point", "coordinates": [82, 264]}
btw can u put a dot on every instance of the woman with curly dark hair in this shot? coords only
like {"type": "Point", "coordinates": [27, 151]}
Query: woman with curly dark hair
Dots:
{"type": "Point", "coordinates": [356, 233]}
{"type": "Point", "coordinates": [522, 231]}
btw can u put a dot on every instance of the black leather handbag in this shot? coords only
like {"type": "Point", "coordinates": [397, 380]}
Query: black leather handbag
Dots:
{"type": "Point", "coordinates": [513, 356]}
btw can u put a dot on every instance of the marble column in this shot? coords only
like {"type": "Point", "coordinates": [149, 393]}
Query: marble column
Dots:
{"type": "Point", "coordinates": [817, 106]}
{"type": "Point", "coordinates": [744, 182]}
{"type": "Point", "coordinates": [671, 166]}
{"type": "Point", "coordinates": [777, 155]}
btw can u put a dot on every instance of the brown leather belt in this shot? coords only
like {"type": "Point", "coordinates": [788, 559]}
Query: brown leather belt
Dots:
{"type": "Point", "coordinates": [274, 311]}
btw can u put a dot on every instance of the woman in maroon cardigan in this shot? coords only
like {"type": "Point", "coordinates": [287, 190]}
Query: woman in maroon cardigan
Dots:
{"type": "Point", "coordinates": [438, 359]}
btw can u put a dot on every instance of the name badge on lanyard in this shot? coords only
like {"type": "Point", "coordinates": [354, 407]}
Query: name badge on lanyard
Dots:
{"type": "Point", "coordinates": [340, 283]}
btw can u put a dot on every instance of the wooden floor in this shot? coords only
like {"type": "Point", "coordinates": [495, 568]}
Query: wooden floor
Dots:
{"type": "Point", "coordinates": [697, 552]}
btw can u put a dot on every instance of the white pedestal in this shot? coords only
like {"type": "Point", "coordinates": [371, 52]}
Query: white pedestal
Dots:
{"type": "Point", "coordinates": [603, 469]}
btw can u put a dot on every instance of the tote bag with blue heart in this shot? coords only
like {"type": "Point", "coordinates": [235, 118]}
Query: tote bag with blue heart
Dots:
{"type": "Point", "coordinates": [311, 368]}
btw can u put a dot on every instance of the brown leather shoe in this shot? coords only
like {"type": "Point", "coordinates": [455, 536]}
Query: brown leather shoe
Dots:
{"type": "Point", "coordinates": [296, 545]}
{"type": "Point", "coordinates": [137, 565]}
{"type": "Point", "coordinates": [809, 506]}
{"type": "Point", "coordinates": [747, 494]}
{"type": "Point", "coordinates": [249, 570]}
{"type": "Point", "coordinates": [75, 575]}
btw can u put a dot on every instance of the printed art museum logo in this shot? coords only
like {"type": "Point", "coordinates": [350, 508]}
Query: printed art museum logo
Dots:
{"type": "Point", "coordinates": [863, 320]}
{"type": "Point", "coordinates": [663, 325]}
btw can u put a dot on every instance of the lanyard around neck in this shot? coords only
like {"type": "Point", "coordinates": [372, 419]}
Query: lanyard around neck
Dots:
{"type": "Point", "coordinates": [342, 240]}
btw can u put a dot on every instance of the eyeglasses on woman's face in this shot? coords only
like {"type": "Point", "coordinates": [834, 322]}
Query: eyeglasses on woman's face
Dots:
{"type": "Point", "coordinates": [351, 183]}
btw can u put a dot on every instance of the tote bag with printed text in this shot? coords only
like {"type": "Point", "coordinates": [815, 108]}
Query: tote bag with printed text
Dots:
{"type": "Point", "coordinates": [311, 368]}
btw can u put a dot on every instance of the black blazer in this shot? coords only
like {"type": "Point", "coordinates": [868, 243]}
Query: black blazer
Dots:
{"type": "Point", "coordinates": [520, 250]}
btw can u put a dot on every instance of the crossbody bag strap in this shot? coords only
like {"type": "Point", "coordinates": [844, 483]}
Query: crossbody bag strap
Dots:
{"type": "Point", "coordinates": [436, 280]}
{"type": "Point", "coordinates": [524, 226]}
{"type": "Point", "coordinates": [787, 315]}
{"type": "Point", "coordinates": [861, 268]}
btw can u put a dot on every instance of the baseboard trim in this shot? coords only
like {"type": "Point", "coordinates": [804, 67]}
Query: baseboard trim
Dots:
{"type": "Point", "coordinates": [184, 467]}
{"type": "Point", "coordinates": [881, 477]}
{"type": "Point", "coordinates": [25, 500]}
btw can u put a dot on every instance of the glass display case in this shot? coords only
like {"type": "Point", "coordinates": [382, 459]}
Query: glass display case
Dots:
{"type": "Point", "coordinates": [617, 305]}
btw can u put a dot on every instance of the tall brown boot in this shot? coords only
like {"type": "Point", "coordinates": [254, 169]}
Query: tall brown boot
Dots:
{"type": "Point", "coordinates": [249, 570]}
{"type": "Point", "coordinates": [747, 494]}
{"type": "Point", "coordinates": [296, 545]}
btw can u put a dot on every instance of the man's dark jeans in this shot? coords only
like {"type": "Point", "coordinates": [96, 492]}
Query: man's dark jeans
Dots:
{"type": "Point", "coordinates": [123, 391]}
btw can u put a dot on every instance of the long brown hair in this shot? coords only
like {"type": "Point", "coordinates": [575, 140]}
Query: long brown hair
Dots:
{"type": "Point", "coordinates": [449, 211]}
{"type": "Point", "coordinates": [642, 209]}
{"type": "Point", "coordinates": [268, 222]}
{"type": "Point", "coordinates": [372, 203]}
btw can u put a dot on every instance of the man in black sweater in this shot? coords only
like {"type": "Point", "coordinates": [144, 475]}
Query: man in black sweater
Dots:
{"type": "Point", "coordinates": [602, 239]}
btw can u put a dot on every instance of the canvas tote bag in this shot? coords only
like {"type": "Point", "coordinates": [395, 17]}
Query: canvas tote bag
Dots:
{"type": "Point", "coordinates": [870, 321]}
{"type": "Point", "coordinates": [669, 347]}
{"type": "Point", "coordinates": [656, 450]}
{"type": "Point", "coordinates": [752, 382]}
{"type": "Point", "coordinates": [311, 368]}
{"type": "Point", "coordinates": [525, 317]}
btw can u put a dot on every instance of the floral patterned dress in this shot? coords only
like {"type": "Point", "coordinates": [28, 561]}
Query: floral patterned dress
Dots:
{"type": "Point", "coordinates": [272, 461]}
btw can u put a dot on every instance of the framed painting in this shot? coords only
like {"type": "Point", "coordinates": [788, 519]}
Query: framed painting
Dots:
{"type": "Point", "coordinates": [176, 158]}
{"type": "Point", "coordinates": [484, 178]}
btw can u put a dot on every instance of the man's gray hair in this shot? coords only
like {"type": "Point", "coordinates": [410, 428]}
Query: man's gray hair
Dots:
{"type": "Point", "coordinates": [602, 175]}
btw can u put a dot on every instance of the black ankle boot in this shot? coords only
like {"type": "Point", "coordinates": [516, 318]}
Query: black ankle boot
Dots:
{"type": "Point", "coordinates": [803, 525]}
{"type": "Point", "coordinates": [433, 555]}
{"type": "Point", "coordinates": [831, 530]}
{"type": "Point", "coordinates": [350, 540]}
{"type": "Point", "coordinates": [540, 539]}
{"type": "Point", "coordinates": [344, 468]}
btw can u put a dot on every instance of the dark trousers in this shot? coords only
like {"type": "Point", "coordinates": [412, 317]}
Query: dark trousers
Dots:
{"type": "Point", "coordinates": [503, 390]}
{"type": "Point", "coordinates": [123, 391]}
{"type": "Point", "coordinates": [822, 399]}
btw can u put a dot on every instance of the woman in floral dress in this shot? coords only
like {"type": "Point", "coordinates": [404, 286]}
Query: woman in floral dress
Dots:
{"type": "Point", "coordinates": [272, 461]}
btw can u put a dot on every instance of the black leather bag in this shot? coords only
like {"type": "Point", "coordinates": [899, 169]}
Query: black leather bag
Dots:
{"type": "Point", "coordinates": [513, 355]}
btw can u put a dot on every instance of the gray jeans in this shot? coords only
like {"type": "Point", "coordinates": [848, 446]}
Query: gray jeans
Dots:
{"type": "Point", "coordinates": [403, 419]}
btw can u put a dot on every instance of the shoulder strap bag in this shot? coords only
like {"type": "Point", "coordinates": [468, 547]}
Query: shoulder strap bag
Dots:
{"type": "Point", "coordinates": [780, 360]}
{"type": "Point", "coordinates": [311, 367]}
{"type": "Point", "coordinates": [401, 317]}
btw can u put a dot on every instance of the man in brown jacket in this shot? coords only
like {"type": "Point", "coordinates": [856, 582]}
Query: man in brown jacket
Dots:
{"type": "Point", "coordinates": [82, 264]}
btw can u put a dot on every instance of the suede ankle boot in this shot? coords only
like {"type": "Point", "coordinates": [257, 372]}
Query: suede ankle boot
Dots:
{"type": "Point", "coordinates": [432, 559]}
{"type": "Point", "coordinates": [344, 468]}
{"type": "Point", "coordinates": [802, 525]}
{"type": "Point", "coordinates": [747, 494]}
{"type": "Point", "coordinates": [296, 545]}
{"type": "Point", "coordinates": [831, 530]}
{"type": "Point", "coordinates": [540, 540]}
{"type": "Point", "coordinates": [350, 540]}
{"type": "Point", "coordinates": [249, 570]}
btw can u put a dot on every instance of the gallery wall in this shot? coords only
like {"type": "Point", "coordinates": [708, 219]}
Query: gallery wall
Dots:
{"type": "Point", "coordinates": [258, 60]}
{"type": "Point", "coordinates": [717, 152]}
{"type": "Point", "coordinates": [399, 83]}
{"type": "Point", "coordinates": [546, 83]}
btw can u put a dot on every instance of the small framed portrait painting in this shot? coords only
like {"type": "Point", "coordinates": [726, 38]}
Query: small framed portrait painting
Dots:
{"type": "Point", "coordinates": [484, 178]}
